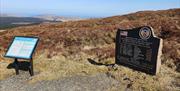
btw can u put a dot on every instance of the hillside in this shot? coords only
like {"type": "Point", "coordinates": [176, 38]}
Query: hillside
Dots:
{"type": "Point", "coordinates": [66, 49]}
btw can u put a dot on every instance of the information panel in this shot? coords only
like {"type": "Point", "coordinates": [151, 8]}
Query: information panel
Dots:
{"type": "Point", "coordinates": [22, 47]}
{"type": "Point", "coordinates": [139, 49]}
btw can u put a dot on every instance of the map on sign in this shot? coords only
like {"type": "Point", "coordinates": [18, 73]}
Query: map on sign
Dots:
{"type": "Point", "coordinates": [22, 47]}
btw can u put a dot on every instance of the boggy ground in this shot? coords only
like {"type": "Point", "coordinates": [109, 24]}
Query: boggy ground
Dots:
{"type": "Point", "coordinates": [66, 50]}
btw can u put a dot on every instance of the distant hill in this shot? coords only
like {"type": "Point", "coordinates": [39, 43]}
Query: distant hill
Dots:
{"type": "Point", "coordinates": [14, 20]}
{"type": "Point", "coordinates": [8, 21]}
{"type": "Point", "coordinates": [57, 18]}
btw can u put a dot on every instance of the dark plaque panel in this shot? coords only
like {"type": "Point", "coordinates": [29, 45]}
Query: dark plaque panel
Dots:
{"type": "Point", "coordinates": [138, 49]}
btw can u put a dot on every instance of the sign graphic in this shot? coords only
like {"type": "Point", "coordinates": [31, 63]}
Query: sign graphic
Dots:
{"type": "Point", "coordinates": [145, 33]}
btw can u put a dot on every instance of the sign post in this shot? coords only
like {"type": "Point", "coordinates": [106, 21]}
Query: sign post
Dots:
{"type": "Point", "coordinates": [22, 48]}
{"type": "Point", "coordinates": [31, 71]}
{"type": "Point", "coordinates": [16, 66]}
{"type": "Point", "coordinates": [139, 49]}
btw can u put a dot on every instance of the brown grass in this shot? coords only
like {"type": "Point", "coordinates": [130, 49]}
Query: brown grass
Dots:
{"type": "Point", "coordinates": [59, 66]}
{"type": "Point", "coordinates": [139, 81]}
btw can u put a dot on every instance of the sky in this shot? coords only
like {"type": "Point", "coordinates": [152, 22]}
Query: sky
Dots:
{"type": "Point", "coordinates": [83, 8]}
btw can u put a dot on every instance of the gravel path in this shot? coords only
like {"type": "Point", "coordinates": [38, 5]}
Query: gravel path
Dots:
{"type": "Point", "coordinates": [98, 82]}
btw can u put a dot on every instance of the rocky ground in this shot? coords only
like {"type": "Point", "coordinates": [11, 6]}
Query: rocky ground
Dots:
{"type": "Point", "coordinates": [99, 82]}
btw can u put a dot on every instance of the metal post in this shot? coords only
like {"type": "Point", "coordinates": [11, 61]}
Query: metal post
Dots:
{"type": "Point", "coordinates": [31, 71]}
{"type": "Point", "coordinates": [16, 64]}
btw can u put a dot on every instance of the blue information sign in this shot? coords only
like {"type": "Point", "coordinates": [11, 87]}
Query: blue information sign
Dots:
{"type": "Point", "coordinates": [22, 47]}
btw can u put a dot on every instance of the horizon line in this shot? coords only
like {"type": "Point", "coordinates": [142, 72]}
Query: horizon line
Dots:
{"type": "Point", "coordinates": [76, 16]}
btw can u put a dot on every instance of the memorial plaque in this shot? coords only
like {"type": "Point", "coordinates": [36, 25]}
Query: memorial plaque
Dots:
{"type": "Point", "coordinates": [139, 49]}
{"type": "Point", "coordinates": [22, 47]}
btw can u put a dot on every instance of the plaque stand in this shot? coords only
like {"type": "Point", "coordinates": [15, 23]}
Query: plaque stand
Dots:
{"type": "Point", "coordinates": [30, 66]}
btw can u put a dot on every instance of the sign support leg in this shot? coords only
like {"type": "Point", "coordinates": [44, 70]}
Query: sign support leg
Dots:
{"type": "Point", "coordinates": [31, 71]}
{"type": "Point", "coordinates": [16, 66]}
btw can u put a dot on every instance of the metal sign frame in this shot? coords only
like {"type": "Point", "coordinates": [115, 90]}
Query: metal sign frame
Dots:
{"type": "Point", "coordinates": [30, 57]}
